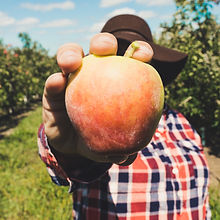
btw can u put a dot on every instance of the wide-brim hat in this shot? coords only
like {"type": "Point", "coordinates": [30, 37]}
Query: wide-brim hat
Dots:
{"type": "Point", "coordinates": [168, 62]}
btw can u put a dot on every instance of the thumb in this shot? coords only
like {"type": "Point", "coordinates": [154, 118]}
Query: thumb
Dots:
{"type": "Point", "coordinates": [69, 57]}
{"type": "Point", "coordinates": [55, 85]}
{"type": "Point", "coordinates": [54, 92]}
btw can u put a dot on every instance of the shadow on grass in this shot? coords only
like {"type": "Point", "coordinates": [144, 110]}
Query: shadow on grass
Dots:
{"type": "Point", "coordinates": [3, 157]}
{"type": "Point", "coordinates": [8, 122]}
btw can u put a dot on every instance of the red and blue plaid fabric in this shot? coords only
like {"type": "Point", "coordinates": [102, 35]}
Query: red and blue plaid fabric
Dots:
{"type": "Point", "coordinates": [168, 180]}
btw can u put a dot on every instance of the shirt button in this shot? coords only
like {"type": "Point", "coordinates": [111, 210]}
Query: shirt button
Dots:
{"type": "Point", "coordinates": [160, 129]}
{"type": "Point", "coordinates": [179, 193]}
{"type": "Point", "coordinates": [166, 151]}
{"type": "Point", "coordinates": [175, 171]}
{"type": "Point", "coordinates": [157, 134]}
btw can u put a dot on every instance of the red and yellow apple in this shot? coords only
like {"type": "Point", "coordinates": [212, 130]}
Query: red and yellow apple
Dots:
{"type": "Point", "coordinates": [114, 103]}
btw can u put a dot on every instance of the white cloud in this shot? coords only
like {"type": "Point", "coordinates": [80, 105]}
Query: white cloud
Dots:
{"type": "Point", "coordinates": [28, 21]}
{"type": "Point", "coordinates": [5, 20]}
{"type": "Point", "coordinates": [157, 32]}
{"type": "Point", "coordinates": [146, 14]}
{"type": "Point", "coordinates": [109, 3]}
{"type": "Point", "coordinates": [25, 24]}
{"type": "Point", "coordinates": [67, 5]}
{"type": "Point", "coordinates": [42, 32]}
{"type": "Point", "coordinates": [122, 11]}
{"type": "Point", "coordinates": [22, 24]}
{"type": "Point", "coordinates": [72, 31]}
{"type": "Point", "coordinates": [58, 23]}
{"type": "Point", "coordinates": [97, 27]}
{"type": "Point", "coordinates": [166, 17]}
{"type": "Point", "coordinates": [155, 2]}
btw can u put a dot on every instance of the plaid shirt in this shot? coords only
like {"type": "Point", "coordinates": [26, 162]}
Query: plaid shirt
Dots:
{"type": "Point", "coordinates": [168, 179]}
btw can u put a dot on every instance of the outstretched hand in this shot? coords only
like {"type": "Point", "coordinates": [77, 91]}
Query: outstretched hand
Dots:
{"type": "Point", "coordinates": [59, 130]}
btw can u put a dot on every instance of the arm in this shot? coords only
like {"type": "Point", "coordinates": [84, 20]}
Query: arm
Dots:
{"type": "Point", "coordinates": [71, 154]}
{"type": "Point", "coordinates": [64, 168]}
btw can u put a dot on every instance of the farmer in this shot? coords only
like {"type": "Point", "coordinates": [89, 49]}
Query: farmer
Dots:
{"type": "Point", "coordinates": [168, 179]}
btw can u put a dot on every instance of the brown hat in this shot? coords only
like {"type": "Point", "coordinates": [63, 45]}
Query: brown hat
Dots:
{"type": "Point", "coordinates": [167, 62]}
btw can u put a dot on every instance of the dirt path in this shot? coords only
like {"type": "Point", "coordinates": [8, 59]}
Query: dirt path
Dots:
{"type": "Point", "coordinates": [8, 123]}
{"type": "Point", "coordinates": [214, 166]}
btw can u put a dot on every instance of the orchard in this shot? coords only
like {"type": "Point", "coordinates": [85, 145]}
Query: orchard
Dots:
{"type": "Point", "coordinates": [23, 72]}
{"type": "Point", "coordinates": [196, 91]}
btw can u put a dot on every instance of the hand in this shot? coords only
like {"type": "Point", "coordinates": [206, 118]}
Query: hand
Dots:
{"type": "Point", "coordinates": [59, 130]}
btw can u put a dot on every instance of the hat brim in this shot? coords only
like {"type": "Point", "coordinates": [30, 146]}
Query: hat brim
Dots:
{"type": "Point", "coordinates": [167, 62]}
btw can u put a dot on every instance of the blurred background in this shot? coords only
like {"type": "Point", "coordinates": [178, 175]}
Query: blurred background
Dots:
{"type": "Point", "coordinates": [53, 23]}
{"type": "Point", "coordinates": [30, 34]}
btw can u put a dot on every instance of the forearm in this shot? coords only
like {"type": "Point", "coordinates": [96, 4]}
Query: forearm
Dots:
{"type": "Point", "coordinates": [74, 168]}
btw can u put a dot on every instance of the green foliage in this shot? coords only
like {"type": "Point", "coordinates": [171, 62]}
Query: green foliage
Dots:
{"type": "Point", "coordinates": [23, 72]}
{"type": "Point", "coordinates": [196, 90]}
{"type": "Point", "coordinates": [26, 190]}
{"type": "Point", "coordinates": [214, 202]}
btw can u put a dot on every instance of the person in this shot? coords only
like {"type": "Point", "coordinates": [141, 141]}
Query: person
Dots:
{"type": "Point", "coordinates": [168, 179]}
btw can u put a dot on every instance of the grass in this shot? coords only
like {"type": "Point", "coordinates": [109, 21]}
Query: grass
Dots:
{"type": "Point", "coordinates": [215, 202]}
{"type": "Point", "coordinates": [26, 191]}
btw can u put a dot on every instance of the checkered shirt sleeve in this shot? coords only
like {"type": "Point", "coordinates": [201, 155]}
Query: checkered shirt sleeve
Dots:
{"type": "Point", "coordinates": [63, 169]}
{"type": "Point", "coordinates": [168, 180]}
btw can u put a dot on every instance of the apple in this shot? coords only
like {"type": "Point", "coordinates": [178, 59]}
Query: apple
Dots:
{"type": "Point", "coordinates": [114, 103]}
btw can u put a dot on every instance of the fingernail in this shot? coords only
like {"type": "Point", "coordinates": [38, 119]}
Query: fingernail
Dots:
{"type": "Point", "coordinates": [68, 54]}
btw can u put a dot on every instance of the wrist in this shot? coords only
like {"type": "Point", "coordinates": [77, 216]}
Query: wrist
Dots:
{"type": "Point", "coordinates": [63, 141]}
{"type": "Point", "coordinates": [77, 167]}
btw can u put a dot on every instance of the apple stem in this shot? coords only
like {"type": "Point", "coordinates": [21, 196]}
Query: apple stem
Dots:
{"type": "Point", "coordinates": [134, 46]}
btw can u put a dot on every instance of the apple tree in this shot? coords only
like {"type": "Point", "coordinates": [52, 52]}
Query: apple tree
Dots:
{"type": "Point", "coordinates": [196, 91]}
{"type": "Point", "coordinates": [23, 72]}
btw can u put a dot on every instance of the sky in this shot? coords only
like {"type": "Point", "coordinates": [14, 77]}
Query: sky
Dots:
{"type": "Point", "coordinates": [53, 23]}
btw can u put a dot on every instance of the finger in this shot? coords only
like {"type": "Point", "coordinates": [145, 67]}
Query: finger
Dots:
{"type": "Point", "coordinates": [55, 85]}
{"type": "Point", "coordinates": [54, 92]}
{"type": "Point", "coordinates": [130, 160]}
{"type": "Point", "coordinates": [69, 57]}
{"type": "Point", "coordinates": [103, 44]}
{"type": "Point", "coordinates": [143, 52]}
{"type": "Point", "coordinates": [57, 125]}
{"type": "Point", "coordinates": [117, 159]}
{"type": "Point", "coordinates": [53, 103]}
